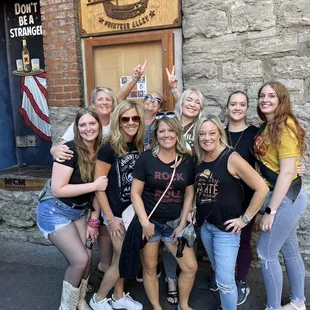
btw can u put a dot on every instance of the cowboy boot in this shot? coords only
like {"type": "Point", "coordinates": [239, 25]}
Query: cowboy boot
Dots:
{"type": "Point", "coordinates": [69, 296]}
{"type": "Point", "coordinates": [82, 305]}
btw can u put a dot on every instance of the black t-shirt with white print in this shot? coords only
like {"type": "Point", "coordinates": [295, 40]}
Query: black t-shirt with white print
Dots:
{"type": "Point", "coordinates": [156, 176]}
{"type": "Point", "coordinates": [120, 176]}
{"type": "Point", "coordinates": [75, 178]}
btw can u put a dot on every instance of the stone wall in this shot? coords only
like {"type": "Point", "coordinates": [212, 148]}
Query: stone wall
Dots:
{"type": "Point", "coordinates": [227, 45]}
{"type": "Point", "coordinates": [231, 45]}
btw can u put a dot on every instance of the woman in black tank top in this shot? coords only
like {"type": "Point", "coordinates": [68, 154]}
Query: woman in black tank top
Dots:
{"type": "Point", "coordinates": [240, 137]}
{"type": "Point", "coordinates": [218, 174]}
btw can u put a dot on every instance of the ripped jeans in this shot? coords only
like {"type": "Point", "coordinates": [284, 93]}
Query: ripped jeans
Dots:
{"type": "Point", "coordinates": [283, 238]}
{"type": "Point", "coordinates": [222, 249]}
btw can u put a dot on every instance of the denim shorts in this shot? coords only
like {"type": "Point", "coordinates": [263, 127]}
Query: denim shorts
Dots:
{"type": "Point", "coordinates": [163, 232]}
{"type": "Point", "coordinates": [52, 214]}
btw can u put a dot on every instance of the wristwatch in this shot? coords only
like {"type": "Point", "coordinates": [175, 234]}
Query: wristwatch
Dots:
{"type": "Point", "coordinates": [269, 211]}
{"type": "Point", "coordinates": [245, 219]}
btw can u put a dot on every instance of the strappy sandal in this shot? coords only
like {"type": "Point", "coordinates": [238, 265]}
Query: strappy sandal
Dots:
{"type": "Point", "coordinates": [90, 289]}
{"type": "Point", "coordinates": [173, 295]}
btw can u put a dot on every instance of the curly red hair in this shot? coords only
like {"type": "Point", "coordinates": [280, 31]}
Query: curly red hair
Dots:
{"type": "Point", "coordinates": [283, 112]}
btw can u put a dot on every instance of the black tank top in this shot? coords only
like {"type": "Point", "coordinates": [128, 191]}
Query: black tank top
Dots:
{"type": "Point", "coordinates": [219, 195]}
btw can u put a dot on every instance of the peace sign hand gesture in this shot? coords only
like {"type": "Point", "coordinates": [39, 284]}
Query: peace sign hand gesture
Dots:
{"type": "Point", "coordinates": [172, 78]}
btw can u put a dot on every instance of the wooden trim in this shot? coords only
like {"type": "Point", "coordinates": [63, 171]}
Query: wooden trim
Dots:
{"type": "Point", "coordinates": [164, 36]}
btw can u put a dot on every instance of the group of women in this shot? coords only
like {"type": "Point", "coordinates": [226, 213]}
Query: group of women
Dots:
{"type": "Point", "coordinates": [184, 158]}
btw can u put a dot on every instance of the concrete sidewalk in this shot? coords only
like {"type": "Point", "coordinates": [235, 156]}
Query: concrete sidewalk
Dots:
{"type": "Point", "coordinates": [32, 274]}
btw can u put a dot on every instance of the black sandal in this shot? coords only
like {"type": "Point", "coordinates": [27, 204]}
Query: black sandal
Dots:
{"type": "Point", "coordinates": [173, 295]}
{"type": "Point", "coordinates": [90, 289]}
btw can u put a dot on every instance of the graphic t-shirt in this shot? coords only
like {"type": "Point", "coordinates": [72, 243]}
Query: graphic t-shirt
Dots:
{"type": "Point", "coordinates": [242, 142]}
{"type": "Point", "coordinates": [69, 133]}
{"type": "Point", "coordinates": [218, 194]}
{"type": "Point", "coordinates": [75, 179]}
{"type": "Point", "coordinates": [189, 136]}
{"type": "Point", "coordinates": [270, 155]}
{"type": "Point", "coordinates": [120, 176]}
{"type": "Point", "coordinates": [156, 176]}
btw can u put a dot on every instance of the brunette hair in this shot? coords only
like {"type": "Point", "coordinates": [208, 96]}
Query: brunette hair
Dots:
{"type": "Point", "coordinates": [216, 121]}
{"type": "Point", "coordinates": [238, 92]}
{"type": "Point", "coordinates": [283, 112]}
{"type": "Point", "coordinates": [116, 137]}
{"type": "Point", "coordinates": [86, 162]}
{"type": "Point", "coordinates": [175, 124]}
{"type": "Point", "coordinates": [183, 97]}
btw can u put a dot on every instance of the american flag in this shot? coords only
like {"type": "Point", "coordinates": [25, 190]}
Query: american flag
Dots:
{"type": "Point", "coordinates": [34, 107]}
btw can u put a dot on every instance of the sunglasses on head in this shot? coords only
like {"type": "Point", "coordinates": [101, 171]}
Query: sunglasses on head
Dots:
{"type": "Point", "coordinates": [126, 119]}
{"type": "Point", "coordinates": [168, 114]}
{"type": "Point", "coordinates": [153, 100]}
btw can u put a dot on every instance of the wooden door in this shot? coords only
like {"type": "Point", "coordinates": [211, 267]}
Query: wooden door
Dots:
{"type": "Point", "coordinates": [111, 57]}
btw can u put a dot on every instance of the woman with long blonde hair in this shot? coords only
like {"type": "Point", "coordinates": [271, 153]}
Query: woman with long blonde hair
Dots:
{"type": "Point", "coordinates": [117, 159]}
{"type": "Point", "coordinates": [218, 175]}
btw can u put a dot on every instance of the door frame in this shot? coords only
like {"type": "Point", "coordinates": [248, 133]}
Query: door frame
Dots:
{"type": "Point", "coordinates": [167, 43]}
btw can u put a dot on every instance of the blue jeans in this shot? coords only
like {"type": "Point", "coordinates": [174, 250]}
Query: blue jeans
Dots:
{"type": "Point", "coordinates": [222, 249]}
{"type": "Point", "coordinates": [283, 238]}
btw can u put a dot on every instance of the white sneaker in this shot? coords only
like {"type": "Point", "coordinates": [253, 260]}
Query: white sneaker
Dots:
{"type": "Point", "coordinates": [100, 305]}
{"type": "Point", "coordinates": [127, 302]}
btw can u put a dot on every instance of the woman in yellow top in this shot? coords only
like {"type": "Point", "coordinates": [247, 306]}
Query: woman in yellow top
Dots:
{"type": "Point", "coordinates": [278, 148]}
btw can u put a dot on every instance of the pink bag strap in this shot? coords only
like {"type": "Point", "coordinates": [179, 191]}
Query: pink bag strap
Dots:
{"type": "Point", "coordinates": [164, 193]}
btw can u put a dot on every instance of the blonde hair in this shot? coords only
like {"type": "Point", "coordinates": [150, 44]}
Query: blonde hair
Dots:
{"type": "Point", "coordinates": [175, 124]}
{"type": "Point", "coordinates": [85, 161]}
{"type": "Point", "coordinates": [216, 121]}
{"type": "Point", "coordinates": [107, 91]}
{"type": "Point", "coordinates": [116, 136]}
{"type": "Point", "coordinates": [183, 97]}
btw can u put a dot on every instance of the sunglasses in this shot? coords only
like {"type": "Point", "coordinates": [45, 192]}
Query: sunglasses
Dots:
{"type": "Point", "coordinates": [155, 100]}
{"type": "Point", "coordinates": [126, 119]}
{"type": "Point", "coordinates": [168, 114]}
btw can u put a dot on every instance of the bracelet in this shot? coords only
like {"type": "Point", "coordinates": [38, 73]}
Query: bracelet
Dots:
{"type": "Point", "coordinates": [93, 223]}
{"type": "Point", "coordinates": [174, 91]}
{"type": "Point", "coordinates": [134, 79]}
{"type": "Point", "coordinates": [110, 222]}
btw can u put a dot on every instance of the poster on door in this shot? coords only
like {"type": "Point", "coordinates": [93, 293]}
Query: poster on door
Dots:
{"type": "Point", "coordinates": [139, 91]}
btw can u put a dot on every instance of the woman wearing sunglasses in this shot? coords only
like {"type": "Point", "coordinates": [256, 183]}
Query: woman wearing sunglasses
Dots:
{"type": "Point", "coordinates": [219, 171]}
{"type": "Point", "coordinates": [117, 159]}
{"type": "Point", "coordinates": [151, 175]}
{"type": "Point", "coordinates": [152, 103]}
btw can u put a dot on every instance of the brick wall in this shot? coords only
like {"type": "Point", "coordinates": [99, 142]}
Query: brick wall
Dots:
{"type": "Point", "coordinates": [62, 52]}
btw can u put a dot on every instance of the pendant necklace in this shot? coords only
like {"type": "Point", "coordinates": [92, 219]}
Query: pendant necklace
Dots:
{"type": "Point", "coordinates": [230, 139]}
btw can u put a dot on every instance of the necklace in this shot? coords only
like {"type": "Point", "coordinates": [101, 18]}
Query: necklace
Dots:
{"type": "Point", "coordinates": [230, 139]}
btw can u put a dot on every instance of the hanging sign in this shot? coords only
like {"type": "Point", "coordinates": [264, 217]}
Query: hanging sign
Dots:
{"type": "Point", "coordinates": [100, 17]}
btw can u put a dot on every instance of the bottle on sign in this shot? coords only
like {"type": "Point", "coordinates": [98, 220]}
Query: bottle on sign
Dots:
{"type": "Point", "coordinates": [26, 57]}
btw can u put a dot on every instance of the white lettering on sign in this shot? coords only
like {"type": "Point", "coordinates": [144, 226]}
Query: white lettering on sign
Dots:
{"type": "Point", "coordinates": [26, 31]}
{"type": "Point", "coordinates": [25, 8]}
{"type": "Point", "coordinates": [24, 21]}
